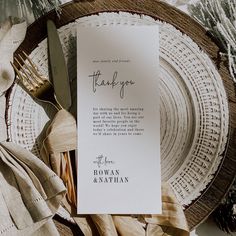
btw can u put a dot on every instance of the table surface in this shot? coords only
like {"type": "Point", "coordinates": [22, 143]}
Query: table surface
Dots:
{"type": "Point", "coordinates": [200, 209]}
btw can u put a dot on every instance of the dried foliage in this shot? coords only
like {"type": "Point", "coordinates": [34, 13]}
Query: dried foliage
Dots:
{"type": "Point", "coordinates": [28, 9]}
{"type": "Point", "coordinates": [225, 214]}
{"type": "Point", "coordinates": [219, 17]}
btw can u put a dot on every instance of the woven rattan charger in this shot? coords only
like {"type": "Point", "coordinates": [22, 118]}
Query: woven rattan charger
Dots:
{"type": "Point", "coordinates": [199, 207]}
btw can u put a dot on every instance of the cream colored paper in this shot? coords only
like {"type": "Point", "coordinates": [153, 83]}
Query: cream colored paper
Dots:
{"type": "Point", "coordinates": [118, 120]}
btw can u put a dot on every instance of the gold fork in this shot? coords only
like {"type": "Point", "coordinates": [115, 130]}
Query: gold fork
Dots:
{"type": "Point", "coordinates": [37, 85]}
{"type": "Point", "coordinates": [40, 88]}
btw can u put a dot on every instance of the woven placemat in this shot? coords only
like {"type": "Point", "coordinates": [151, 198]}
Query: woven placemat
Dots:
{"type": "Point", "coordinates": [193, 109]}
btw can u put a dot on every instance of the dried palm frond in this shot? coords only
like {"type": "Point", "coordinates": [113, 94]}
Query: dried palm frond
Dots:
{"type": "Point", "coordinates": [225, 214]}
{"type": "Point", "coordinates": [28, 9]}
{"type": "Point", "coordinates": [219, 18]}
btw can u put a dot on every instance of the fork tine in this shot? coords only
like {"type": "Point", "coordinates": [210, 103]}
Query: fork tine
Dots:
{"type": "Point", "coordinates": [17, 71]}
{"type": "Point", "coordinates": [25, 75]}
{"type": "Point", "coordinates": [31, 63]}
{"type": "Point", "coordinates": [31, 71]}
{"type": "Point", "coordinates": [33, 67]}
{"type": "Point", "coordinates": [22, 78]}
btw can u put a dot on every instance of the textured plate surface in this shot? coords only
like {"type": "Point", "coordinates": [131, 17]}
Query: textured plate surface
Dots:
{"type": "Point", "coordinates": [193, 109]}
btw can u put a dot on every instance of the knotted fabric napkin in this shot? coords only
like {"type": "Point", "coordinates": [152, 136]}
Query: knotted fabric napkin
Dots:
{"type": "Point", "coordinates": [30, 192]}
{"type": "Point", "coordinates": [61, 138]}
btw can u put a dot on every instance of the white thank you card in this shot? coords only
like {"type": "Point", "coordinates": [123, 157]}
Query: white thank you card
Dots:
{"type": "Point", "coordinates": [118, 120]}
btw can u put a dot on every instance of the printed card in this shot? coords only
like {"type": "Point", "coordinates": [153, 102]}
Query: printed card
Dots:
{"type": "Point", "coordinates": [118, 120]}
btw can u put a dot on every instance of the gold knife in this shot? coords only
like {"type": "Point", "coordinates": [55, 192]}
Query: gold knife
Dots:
{"type": "Point", "coordinates": [61, 83]}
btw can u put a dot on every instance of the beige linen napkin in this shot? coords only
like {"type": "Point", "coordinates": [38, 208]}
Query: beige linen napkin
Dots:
{"type": "Point", "coordinates": [61, 137]}
{"type": "Point", "coordinates": [10, 38]}
{"type": "Point", "coordinates": [55, 152]}
{"type": "Point", "coordinates": [30, 192]}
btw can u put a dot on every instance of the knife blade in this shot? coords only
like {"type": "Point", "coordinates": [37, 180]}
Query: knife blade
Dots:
{"type": "Point", "coordinates": [58, 68]}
